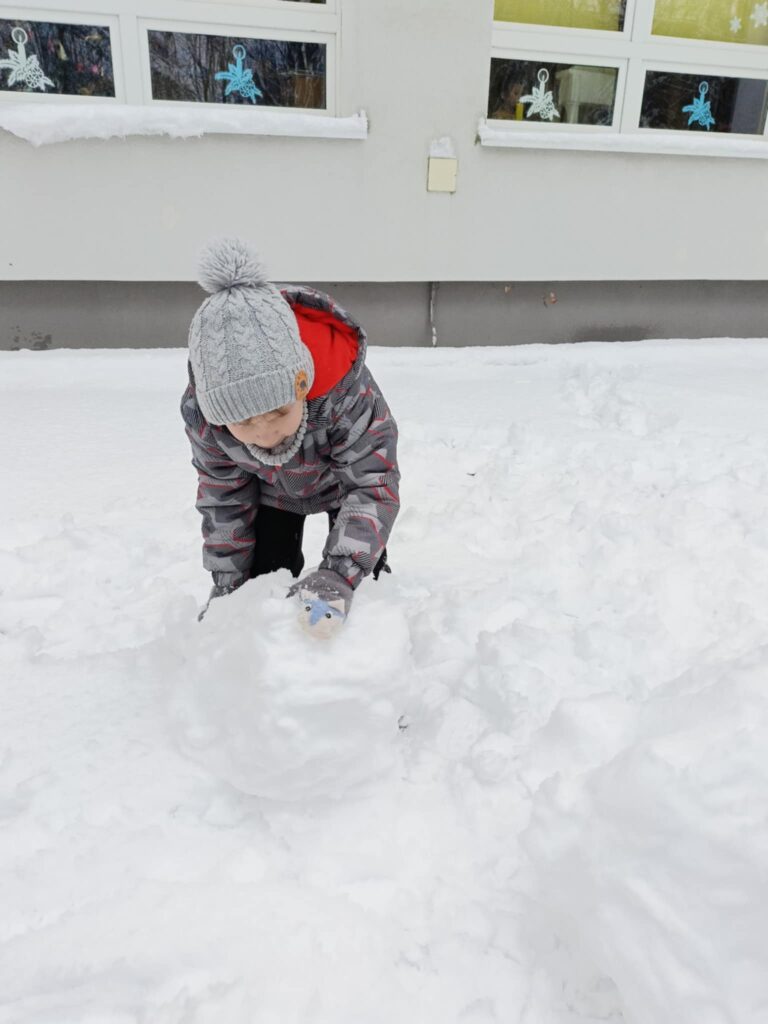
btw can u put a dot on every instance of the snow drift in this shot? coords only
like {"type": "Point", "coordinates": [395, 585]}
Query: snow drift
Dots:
{"type": "Point", "coordinates": [225, 822]}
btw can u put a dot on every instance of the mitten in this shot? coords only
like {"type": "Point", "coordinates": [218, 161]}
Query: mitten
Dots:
{"type": "Point", "coordinates": [326, 598]}
{"type": "Point", "coordinates": [218, 590]}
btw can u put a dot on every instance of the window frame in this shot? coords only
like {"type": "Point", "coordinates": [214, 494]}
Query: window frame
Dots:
{"type": "Point", "coordinates": [640, 50]}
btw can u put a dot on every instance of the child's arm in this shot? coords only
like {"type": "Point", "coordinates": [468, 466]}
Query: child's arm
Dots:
{"type": "Point", "coordinates": [364, 453]}
{"type": "Point", "coordinates": [227, 499]}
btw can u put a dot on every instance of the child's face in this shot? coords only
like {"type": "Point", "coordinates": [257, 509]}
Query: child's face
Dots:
{"type": "Point", "coordinates": [271, 428]}
{"type": "Point", "coordinates": [512, 94]}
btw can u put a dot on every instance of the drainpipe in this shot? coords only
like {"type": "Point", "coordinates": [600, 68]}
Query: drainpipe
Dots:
{"type": "Point", "coordinates": [432, 303]}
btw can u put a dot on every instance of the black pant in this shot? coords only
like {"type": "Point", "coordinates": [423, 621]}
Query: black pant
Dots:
{"type": "Point", "coordinates": [278, 542]}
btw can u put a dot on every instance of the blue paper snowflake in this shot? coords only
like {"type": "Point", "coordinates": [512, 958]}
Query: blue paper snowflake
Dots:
{"type": "Point", "coordinates": [700, 110]}
{"type": "Point", "coordinates": [239, 78]}
{"type": "Point", "coordinates": [318, 609]}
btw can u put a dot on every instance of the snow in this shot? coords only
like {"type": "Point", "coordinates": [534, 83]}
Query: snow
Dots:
{"type": "Point", "coordinates": [496, 133]}
{"type": "Point", "coordinates": [443, 148]}
{"type": "Point", "coordinates": [224, 821]}
{"type": "Point", "coordinates": [44, 123]}
{"type": "Point", "coordinates": [302, 730]}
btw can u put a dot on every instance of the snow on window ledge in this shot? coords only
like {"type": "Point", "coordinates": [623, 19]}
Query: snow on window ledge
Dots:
{"type": "Point", "coordinates": [43, 123]}
{"type": "Point", "coordinates": [617, 142]}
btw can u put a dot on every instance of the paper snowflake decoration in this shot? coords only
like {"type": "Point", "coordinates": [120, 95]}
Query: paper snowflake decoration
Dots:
{"type": "Point", "coordinates": [700, 110]}
{"type": "Point", "coordinates": [542, 101]}
{"type": "Point", "coordinates": [735, 25]}
{"type": "Point", "coordinates": [759, 15]}
{"type": "Point", "coordinates": [239, 78]}
{"type": "Point", "coordinates": [24, 70]}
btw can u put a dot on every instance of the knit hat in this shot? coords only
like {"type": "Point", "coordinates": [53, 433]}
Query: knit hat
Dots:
{"type": "Point", "coordinates": [244, 346]}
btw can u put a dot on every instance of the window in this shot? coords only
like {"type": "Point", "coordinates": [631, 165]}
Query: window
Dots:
{"type": "Point", "coordinates": [600, 14]}
{"type": "Point", "coordinates": [740, 21]}
{"type": "Point", "coordinates": [55, 59]}
{"type": "Point", "coordinates": [546, 91]}
{"type": "Point", "coordinates": [709, 102]}
{"type": "Point", "coordinates": [630, 66]}
{"type": "Point", "coordinates": [235, 69]}
{"type": "Point", "coordinates": [282, 56]}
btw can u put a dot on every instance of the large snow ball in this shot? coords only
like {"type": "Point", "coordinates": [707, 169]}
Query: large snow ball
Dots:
{"type": "Point", "coordinates": [283, 715]}
{"type": "Point", "coordinates": [650, 841]}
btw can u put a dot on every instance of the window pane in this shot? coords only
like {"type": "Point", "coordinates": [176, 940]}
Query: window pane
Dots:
{"type": "Point", "coordinates": [596, 14]}
{"type": "Point", "coordinates": [704, 103]}
{"type": "Point", "coordinates": [525, 90]}
{"type": "Point", "coordinates": [731, 21]}
{"type": "Point", "coordinates": [223, 69]}
{"type": "Point", "coordinates": [72, 60]}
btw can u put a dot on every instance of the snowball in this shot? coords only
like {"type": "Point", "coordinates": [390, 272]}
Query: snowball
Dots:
{"type": "Point", "coordinates": [280, 715]}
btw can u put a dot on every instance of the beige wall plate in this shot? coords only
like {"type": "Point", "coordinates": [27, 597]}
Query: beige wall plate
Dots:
{"type": "Point", "coordinates": [441, 174]}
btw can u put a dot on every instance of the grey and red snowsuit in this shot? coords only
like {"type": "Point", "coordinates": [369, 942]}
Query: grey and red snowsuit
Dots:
{"type": "Point", "coordinates": [347, 461]}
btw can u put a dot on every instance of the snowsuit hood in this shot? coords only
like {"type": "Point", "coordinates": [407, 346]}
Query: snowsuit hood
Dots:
{"type": "Point", "coordinates": [337, 346]}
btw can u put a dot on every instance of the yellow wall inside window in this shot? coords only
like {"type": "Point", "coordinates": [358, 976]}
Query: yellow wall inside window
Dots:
{"type": "Point", "coordinates": [567, 13]}
{"type": "Point", "coordinates": [734, 21]}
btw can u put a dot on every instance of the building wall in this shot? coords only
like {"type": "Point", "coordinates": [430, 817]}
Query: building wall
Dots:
{"type": "Point", "coordinates": [137, 210]}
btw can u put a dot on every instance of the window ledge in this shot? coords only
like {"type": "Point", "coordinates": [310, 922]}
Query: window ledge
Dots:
{"type": "Point", "coordinates": [616, 142]}
{"type": "Point", "coordinates": [44, 123]}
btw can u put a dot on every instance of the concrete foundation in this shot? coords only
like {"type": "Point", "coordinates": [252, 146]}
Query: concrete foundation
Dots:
{"type": "Point", "coordinates": [42, 314]}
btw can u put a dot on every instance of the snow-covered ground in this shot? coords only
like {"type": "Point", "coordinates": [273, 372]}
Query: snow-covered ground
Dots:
{"type": "Point", "coordinates": [223, 822]}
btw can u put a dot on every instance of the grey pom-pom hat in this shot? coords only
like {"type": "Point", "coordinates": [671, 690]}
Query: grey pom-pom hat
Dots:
{"type": "Point", "coordinates": [244, 346]}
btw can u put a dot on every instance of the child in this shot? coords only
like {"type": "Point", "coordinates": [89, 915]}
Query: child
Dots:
{"type": "Point", "coordinates": [285, 419]}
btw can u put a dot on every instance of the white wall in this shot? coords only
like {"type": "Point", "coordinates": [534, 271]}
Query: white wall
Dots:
{"type": "Point", "coordinates": [359, 211]}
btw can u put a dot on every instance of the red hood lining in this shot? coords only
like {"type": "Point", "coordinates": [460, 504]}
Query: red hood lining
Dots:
{"type": "Point", "coordinates": [333, 345]}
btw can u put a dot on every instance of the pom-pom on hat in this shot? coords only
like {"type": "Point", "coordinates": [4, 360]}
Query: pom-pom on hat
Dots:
{"type": "Point", "coordinates": [244, 346]}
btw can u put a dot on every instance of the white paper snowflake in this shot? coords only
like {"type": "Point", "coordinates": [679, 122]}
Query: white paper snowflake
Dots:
{"type": "Point", "coordinates": [542, 101]}
{"type": "Point", "coordinates": [735, 25]}
{"type": "Point", "coordinates": [24, 70]}
{"type": "Point", "coordinates": [759, 15]}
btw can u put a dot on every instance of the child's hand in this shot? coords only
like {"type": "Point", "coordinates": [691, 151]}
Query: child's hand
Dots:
{"type": "Point", "coordinates": [326, 599]}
